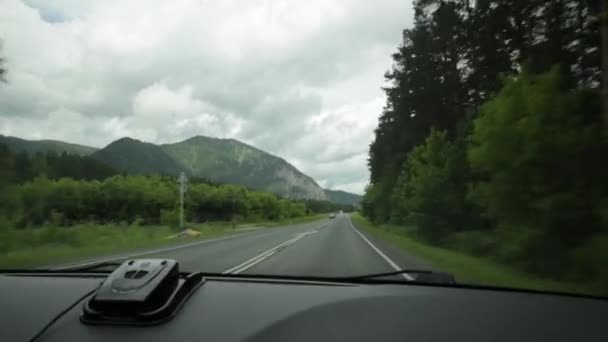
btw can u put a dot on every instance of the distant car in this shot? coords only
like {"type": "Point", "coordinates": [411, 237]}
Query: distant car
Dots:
{"type": "Point", "coordinates": [332, 215]}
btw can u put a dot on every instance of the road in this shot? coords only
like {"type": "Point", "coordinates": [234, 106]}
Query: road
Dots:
{"type": "Point", "coordinates": [330, 247]}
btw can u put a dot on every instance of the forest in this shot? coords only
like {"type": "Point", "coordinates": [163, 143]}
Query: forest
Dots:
{"type": "Point", "coordinates": [493, 137]}
{"type": "Point", "coordinates": [64, 189]}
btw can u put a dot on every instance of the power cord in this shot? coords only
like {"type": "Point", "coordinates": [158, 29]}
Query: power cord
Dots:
{"type": "Point", "coordinates": [62, 313]}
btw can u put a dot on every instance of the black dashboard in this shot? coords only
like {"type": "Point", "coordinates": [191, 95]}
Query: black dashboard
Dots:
{"type": "Point", "coordinates": [250, 309]}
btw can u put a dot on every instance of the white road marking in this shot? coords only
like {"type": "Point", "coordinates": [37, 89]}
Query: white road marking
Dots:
{"type": "Point", "coordinates": [259, 258]}
{"type": "Point", "coordinates": [266, 254]}
{"type": "Point", "coordinates": [390, 262]}
{"type": "Point", "coordinates": [323, 226]}
{"type": "Point", "coordinates": [154, 251]}
{"type": "Point", "coordinates": [250, 263]}
{"type": "Point", "coordinates": [308, 232]}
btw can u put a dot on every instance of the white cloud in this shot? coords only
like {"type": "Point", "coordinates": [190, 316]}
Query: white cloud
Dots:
{"type": "Point", "coordinates": [63, 123]}
{"type": "Point", "coordinates": [298, 79]}
{"type": "Point", "coordinates": [157, 99]}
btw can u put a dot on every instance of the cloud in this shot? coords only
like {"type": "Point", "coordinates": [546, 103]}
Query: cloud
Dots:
{"type": "Point", "coordinates": [298, 79]}
{"type": "Point", "coordinates": [160, 114]}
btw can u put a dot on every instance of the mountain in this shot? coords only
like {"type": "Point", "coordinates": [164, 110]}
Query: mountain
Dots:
{"type": "Point", "coordinates": [31, 147]}
{"type": "Point", "coordinates": [219, 160]}
{"type": "Point", "coordinates": [231, 161]}
{"type": "Point", "coordinates": [134, 156]}
{"type": "Point", "coordinates": [342, 197]}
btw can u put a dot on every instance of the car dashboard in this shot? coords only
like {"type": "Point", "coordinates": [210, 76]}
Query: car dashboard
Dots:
{"type": "Point", "coordinates": [254, 309]}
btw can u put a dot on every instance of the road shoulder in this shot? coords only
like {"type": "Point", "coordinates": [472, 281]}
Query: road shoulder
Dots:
{"type": "Point", "coordinates": [400, 257]}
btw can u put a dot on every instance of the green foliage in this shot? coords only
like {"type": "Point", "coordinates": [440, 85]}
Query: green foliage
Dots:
{"type": "Point", "coordinates": [169, 217]}
{"type": "Point", "coordinates": [135, 199]}
{"type": "Point", "coordinates": [342, 197]}
{"type": "Point", "coordinates": [369, 202]}
{"type": "Point", "coordinates": [231, 161]}
{"type": "Point", "coordinates": [541, 172]}
{"type": "Point", "coordinates": [316, 206]}
{"type": "Point", "coordinates": [21, 167]}
{"type": "Point", "coordinates": [435, 167]}
{"type": "Point", "coordinates": [454, 58]}
{"type": "Point", "coordinates": [7, 167]}
{"type": "Point", "coordinates": [470, 269]}
{"type": "Point", "coordinates": [513, 167]}
{"type": "Point", "coordinates": [137, 157]}
{"type": "Point", "coordinates": [33, 147]}
{"type": "Point", "coordinates": [54, 244]}
{"type": "Point", "coordinates": [56, 218]}
{"type": "Point", "coordinates": [589, 261]}
{"type": "Point", "coordinates": [47, 220]}
{"type": "Point", "coordinates": [475, 242]}
{"type": "Point", "coordinates": [537, 178]}
{"type": "Point", "coordinates": [377, 202]}
{"type": "Point", "coordinates": [202, 158]}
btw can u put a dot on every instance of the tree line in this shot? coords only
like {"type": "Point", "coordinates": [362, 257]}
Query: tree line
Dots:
{"type": "Point", "coordinates": [492, 138]}
{"type": "Point", "coordinates": [64, 189]}
{"type": "Point", "coordinates": [20, 167]}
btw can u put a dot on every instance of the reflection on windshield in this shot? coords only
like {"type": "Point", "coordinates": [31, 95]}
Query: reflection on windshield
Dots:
{"type": "Point", "coordinates": [479, 155]}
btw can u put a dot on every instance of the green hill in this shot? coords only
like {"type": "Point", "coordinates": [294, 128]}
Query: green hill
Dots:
{"type": "Point", "coordinates": [231, 161]}
{"type": "Point", "coordinates": [342, 197]}
{"type": "Point", "coordinates": [137, 157]}
{"type": "Point", "coordinates": [31, 147]}
{"type": "Point", "coordinates": [218, 160]}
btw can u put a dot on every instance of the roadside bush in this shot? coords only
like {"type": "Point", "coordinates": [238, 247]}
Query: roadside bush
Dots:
{"type": "Point", "coordinates": [431, 168]}
{"type": "Point", "coordinates": [57, 218]}
{"type": "Point", "coordinates": [475, 242]}
{"type": "Point", "coordinates": [170, 217]}
{"type": "Point", "coordinates": [590, 260]}
{"type": "Point", "coordinates": [139, 221]}
{"type": "Point", "coordinates": [541, 175]}
{"type": "Point", "coordinates": [6, 234]}
{"type": "Point", "coordinates": [56, 235]}
{"type": "Point", "coordinates": [135, 200]}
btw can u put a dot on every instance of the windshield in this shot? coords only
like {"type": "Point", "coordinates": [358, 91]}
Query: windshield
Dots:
{"type": "Point", "coordinates": [309, 138]}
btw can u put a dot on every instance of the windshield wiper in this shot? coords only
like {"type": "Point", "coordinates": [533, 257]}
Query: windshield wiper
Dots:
{"type": "Point", "coordinates": [420, 276]}
{"type": "Point", "coordinates": [417, 276]}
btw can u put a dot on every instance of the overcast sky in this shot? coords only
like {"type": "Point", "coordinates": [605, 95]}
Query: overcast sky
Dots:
{"type": "Point", "coordinates": [299, 79]}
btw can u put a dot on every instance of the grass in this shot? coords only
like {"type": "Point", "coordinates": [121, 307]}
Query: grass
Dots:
{"type": "Point", "coordinates": [53, 245]}
{"type": "Point", "coordinates": [466, 268]}
{"type": "Point", "coordinates": [50, 245]}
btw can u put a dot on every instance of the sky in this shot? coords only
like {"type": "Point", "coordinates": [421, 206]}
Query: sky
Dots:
{"type": "Point", "coordinates": [299, 79]}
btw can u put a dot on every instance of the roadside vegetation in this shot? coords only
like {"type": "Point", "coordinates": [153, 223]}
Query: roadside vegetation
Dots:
{"type": "Point", "coordinates": [52, 244]}
{"type": "Point", "coordinates": [60, 207]}
{"type": "Point", "coordinates": [467, 268]}
{"type": "Point", "coordinates": [495, 148]}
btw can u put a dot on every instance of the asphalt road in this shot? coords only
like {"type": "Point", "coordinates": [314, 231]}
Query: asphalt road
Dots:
{"type": "Point", "coordinates": [329, 247]}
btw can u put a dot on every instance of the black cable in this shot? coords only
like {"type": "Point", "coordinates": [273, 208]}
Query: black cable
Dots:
{"type": "Point", "coordinates": [59, 315]}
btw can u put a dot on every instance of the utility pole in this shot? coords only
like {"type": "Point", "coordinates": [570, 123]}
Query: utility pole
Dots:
{"type": "Point", "coordinates": [232, 215]}
{"type": "Point", "coordinates": [182, 191]}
